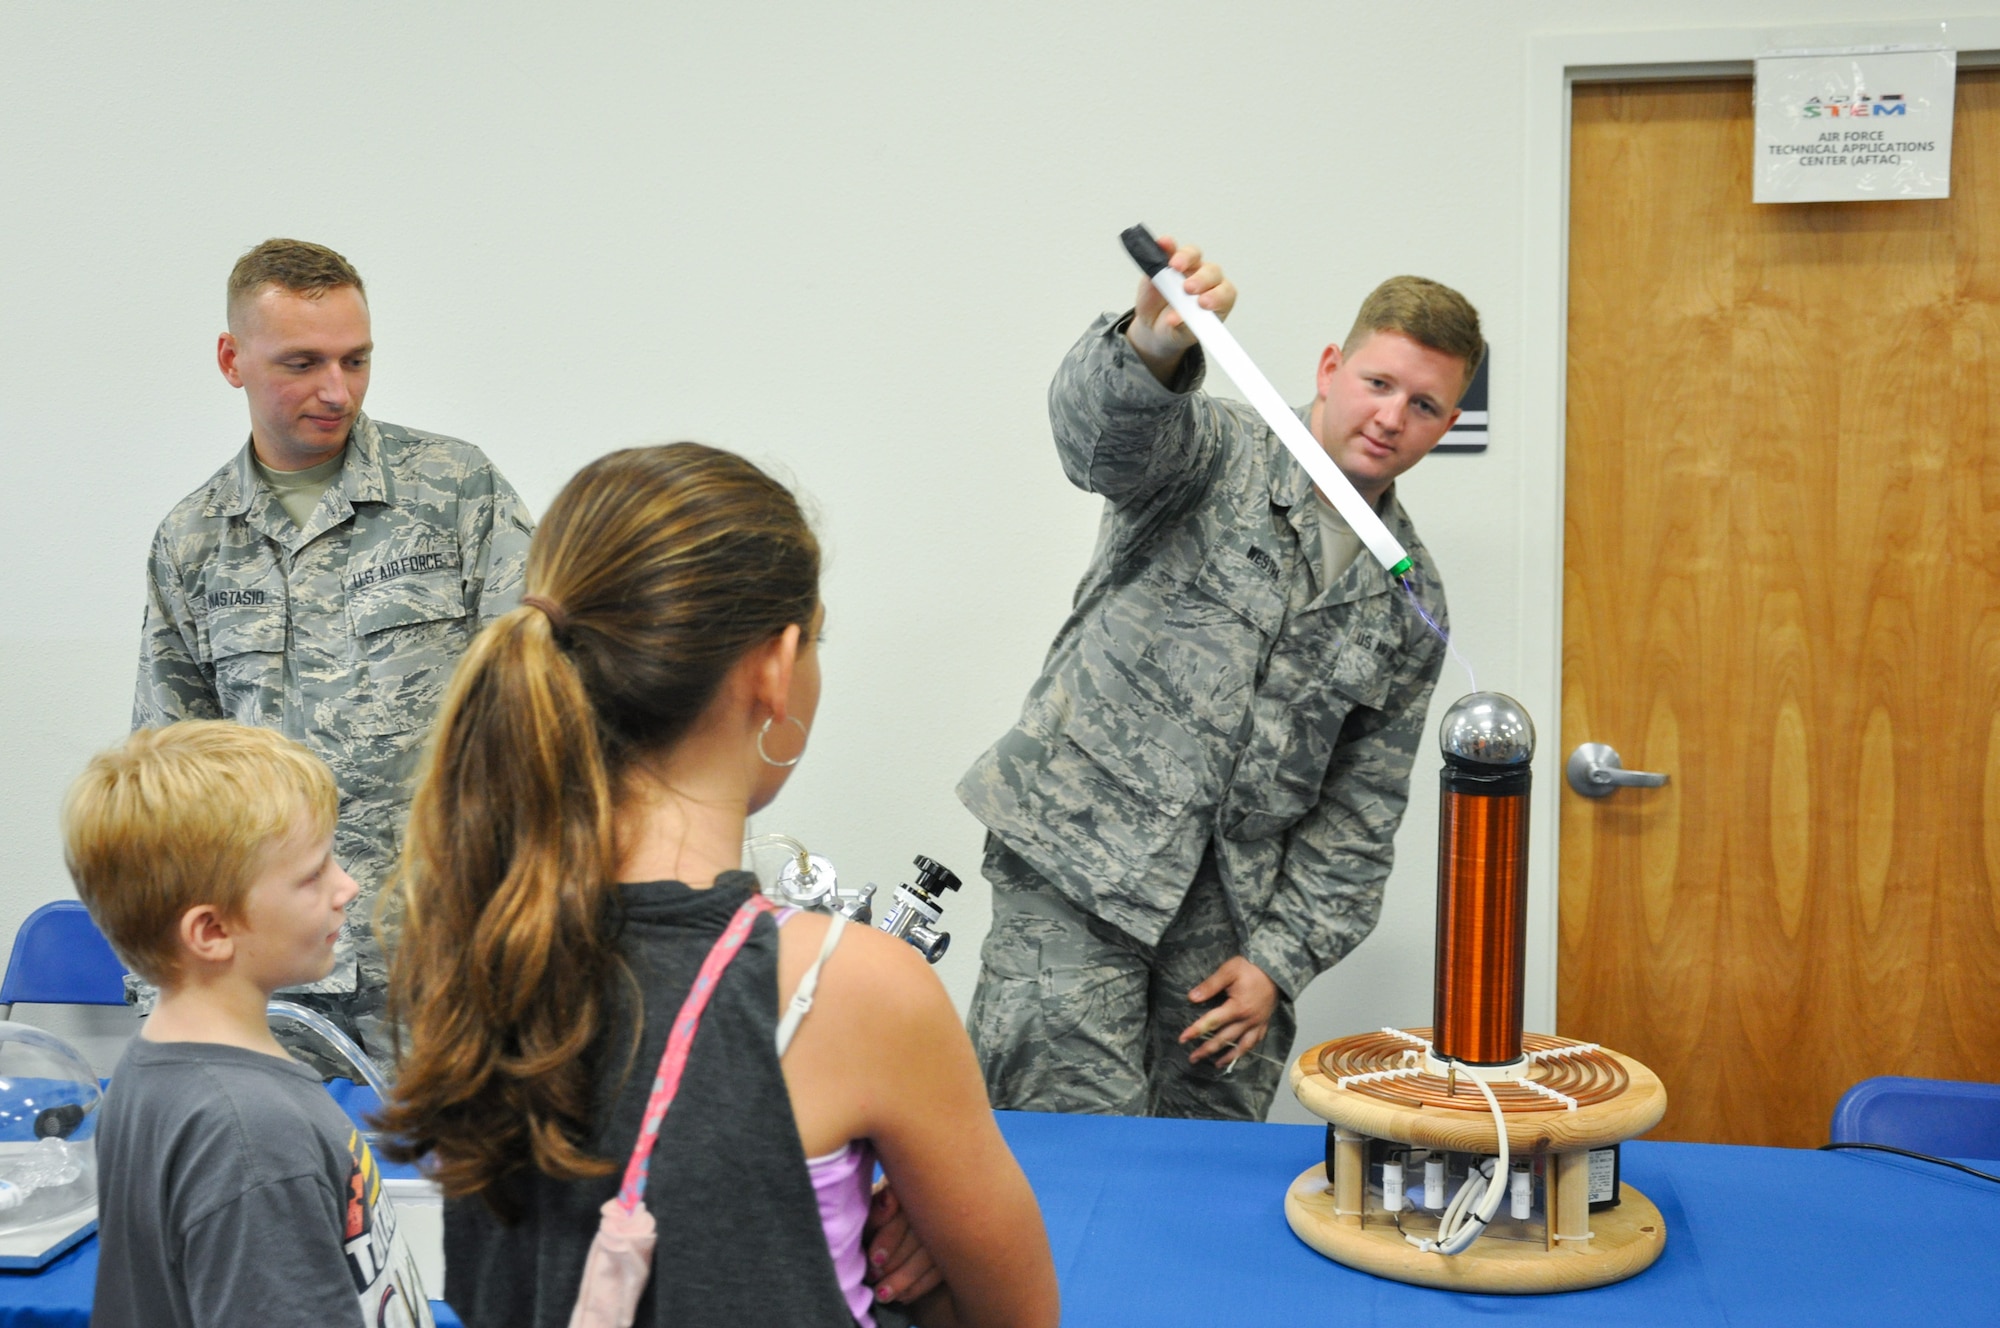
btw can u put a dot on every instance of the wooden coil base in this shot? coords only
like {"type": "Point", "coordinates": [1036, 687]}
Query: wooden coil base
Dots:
{"type": "Point", "coordinates": [1616, 1099]}
{"type": "Point", "coordinates": [1623, 1241]}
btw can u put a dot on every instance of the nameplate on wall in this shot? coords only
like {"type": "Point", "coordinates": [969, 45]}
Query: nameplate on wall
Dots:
{"type": "Point", "coordinates": [1854, 123]}
{"type": "Point", "coordinates": [1468, 432]}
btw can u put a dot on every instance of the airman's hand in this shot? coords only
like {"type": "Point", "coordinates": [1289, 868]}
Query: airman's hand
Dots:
{"type": "Point", "coordinates": [1232, 1029]}
{"type": "Point", "coordinates": [1156, 331]}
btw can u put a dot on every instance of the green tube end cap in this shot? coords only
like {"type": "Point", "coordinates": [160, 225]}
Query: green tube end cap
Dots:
{"type": "Point", "coordinates": [1402, 568]}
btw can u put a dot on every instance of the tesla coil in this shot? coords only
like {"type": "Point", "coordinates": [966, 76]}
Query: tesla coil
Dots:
{"type": "Point", "coordinates": [1471, 1155]}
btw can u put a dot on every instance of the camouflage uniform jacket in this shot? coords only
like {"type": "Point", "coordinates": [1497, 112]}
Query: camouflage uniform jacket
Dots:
{"type": "Point", "coordinates": [341, 633]}
{"type": "Point", "coordinates": [1206, 688]}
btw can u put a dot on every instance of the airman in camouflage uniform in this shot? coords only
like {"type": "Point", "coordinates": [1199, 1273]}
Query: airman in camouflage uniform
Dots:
{"type": "Point", "coordinates": [340, 631]}
{"type": "Point", "coordinates": [1213, 763]}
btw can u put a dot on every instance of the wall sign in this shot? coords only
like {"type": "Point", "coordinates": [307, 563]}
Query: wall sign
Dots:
{"type": "Point", "coordinates": [1855, 122]}
{"type": "Point", "coordinates": [1468, 433]}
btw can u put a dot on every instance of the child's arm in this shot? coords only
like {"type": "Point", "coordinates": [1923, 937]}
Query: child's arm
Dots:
{"type": "Point", "coordinates": [273, 1256]}
{"type": "Point", "coordinates": [925, 1107]}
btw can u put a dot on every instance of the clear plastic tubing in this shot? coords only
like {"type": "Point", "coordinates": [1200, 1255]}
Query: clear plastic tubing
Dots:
{"type": "Point", "coordinates": [789, 844]}
{"type": "Point", "coordinates": [336, 1039]}
{"type": "Point", "coordinates": [1392, 1186]}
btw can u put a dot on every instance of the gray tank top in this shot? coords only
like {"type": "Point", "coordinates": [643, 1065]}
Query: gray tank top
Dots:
{"type": "Point", "coordinates": [740, 1240]}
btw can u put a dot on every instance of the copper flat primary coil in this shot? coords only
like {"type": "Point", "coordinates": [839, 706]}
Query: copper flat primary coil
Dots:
{"type": "Point", "coordinates": [1585, 1077]}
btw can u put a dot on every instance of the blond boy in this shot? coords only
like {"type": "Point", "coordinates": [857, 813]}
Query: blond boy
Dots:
{"type": "Point", "coordinates": [231, 1188]}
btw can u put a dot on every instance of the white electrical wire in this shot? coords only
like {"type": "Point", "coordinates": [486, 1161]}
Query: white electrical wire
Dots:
{"type": "Point", "coordinates": [1466, 1217]}
{"type": "Point", "coordinates": [1463, 1204]}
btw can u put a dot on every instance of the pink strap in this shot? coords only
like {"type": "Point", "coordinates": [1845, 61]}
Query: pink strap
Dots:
{"type": "Point", "coordinates": [680, 1041]}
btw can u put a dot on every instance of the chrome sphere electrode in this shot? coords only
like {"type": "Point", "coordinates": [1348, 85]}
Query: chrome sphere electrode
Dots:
{"type": "Point", "coordinates": [1488, 728]}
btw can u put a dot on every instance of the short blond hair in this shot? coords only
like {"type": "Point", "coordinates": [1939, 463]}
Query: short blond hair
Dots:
{"type": "Point", "coordinates": [185, 815]}
{"type": "Point", "coordinates": [299, 266]}
{"type": "Point", "coordinates": [1429, 313]}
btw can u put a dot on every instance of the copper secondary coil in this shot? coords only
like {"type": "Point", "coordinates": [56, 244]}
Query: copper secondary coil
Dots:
{"type": "Point", "coordinates": [1482, 904]}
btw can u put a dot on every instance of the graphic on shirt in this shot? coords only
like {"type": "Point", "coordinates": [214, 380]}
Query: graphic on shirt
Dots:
{"type": "Point", "coordinates": [378, 1258]}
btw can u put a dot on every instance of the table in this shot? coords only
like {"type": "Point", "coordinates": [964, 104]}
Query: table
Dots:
{"type": "Point", "coordinates": [1181, 1222]}
{"type": "Point", "coordinates": [1166, 1223]}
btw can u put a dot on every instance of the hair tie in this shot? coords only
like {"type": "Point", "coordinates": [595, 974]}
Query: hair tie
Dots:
{"type": "Point", "coordinates": [551, 610]}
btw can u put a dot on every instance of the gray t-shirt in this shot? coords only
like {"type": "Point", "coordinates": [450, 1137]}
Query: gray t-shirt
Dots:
{"type": "Point", "coordinates": [231, 1189]}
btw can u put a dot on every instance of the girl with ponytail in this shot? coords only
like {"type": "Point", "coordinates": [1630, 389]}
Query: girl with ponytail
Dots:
{"type": "Point", "coordinates": [572, 862]}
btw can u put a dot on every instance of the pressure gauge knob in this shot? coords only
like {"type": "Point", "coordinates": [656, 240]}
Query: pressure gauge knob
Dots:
{"type": "Point", "coordinates": [934, 878]}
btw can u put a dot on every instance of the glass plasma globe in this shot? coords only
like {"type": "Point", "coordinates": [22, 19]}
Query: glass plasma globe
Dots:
{"type": "Point", "coordinates": [49, 1108]}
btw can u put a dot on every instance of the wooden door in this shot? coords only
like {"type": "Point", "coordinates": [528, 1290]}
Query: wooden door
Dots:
{"type": "Point", "coordinates": [1782, 588]}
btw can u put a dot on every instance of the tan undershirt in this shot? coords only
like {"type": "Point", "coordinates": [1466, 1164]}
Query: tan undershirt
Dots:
{"type": "Point", "coordinates": [299, 490]}
{"type": "Point", "coordinates": [1338, 544]}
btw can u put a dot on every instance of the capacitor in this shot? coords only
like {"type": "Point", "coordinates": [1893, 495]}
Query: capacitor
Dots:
{"type": "Point", "coordinates": [1520, 1192]}
{"type": "Point", "coordinates": [1434, 1182]}
{"type": "Point", "coordinates": [1392, 1186]}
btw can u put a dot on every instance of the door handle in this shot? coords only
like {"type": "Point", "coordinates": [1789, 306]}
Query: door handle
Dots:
{"type": "Point", "coordinates": [1595, 771]}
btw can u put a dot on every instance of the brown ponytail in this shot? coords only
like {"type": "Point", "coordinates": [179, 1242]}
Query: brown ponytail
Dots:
{"type": "Point", "coordinates": [665, 566]}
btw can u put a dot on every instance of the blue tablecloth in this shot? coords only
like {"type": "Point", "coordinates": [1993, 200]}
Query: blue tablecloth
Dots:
{"type": "Point", "coordinates": [1182, 1223]}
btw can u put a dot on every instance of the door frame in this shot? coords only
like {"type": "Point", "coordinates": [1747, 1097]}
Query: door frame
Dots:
{"type": "Point", "coordinates": [1557, 62]}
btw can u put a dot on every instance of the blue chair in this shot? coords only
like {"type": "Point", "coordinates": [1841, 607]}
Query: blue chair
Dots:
{"type": "Point", "coordinates": [61, 958]}
{"type": "Point", "coordinates": [1941, 1117]}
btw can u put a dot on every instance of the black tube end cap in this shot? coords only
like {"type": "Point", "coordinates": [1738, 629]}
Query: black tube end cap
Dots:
{"type": "Point", "coordinates": [1145, 250]}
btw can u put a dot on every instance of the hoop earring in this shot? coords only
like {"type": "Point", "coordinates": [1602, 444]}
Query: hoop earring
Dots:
{"type": "Point", "coordinates": [765, 756]}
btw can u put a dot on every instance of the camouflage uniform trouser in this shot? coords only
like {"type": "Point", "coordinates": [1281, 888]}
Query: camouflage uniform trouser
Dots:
{"type": "Point", "coordinates": [1071, 1014]}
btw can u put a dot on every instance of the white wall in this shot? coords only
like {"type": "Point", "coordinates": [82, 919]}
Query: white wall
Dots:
{"type": "Point", "coordinates": [849, 241]}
